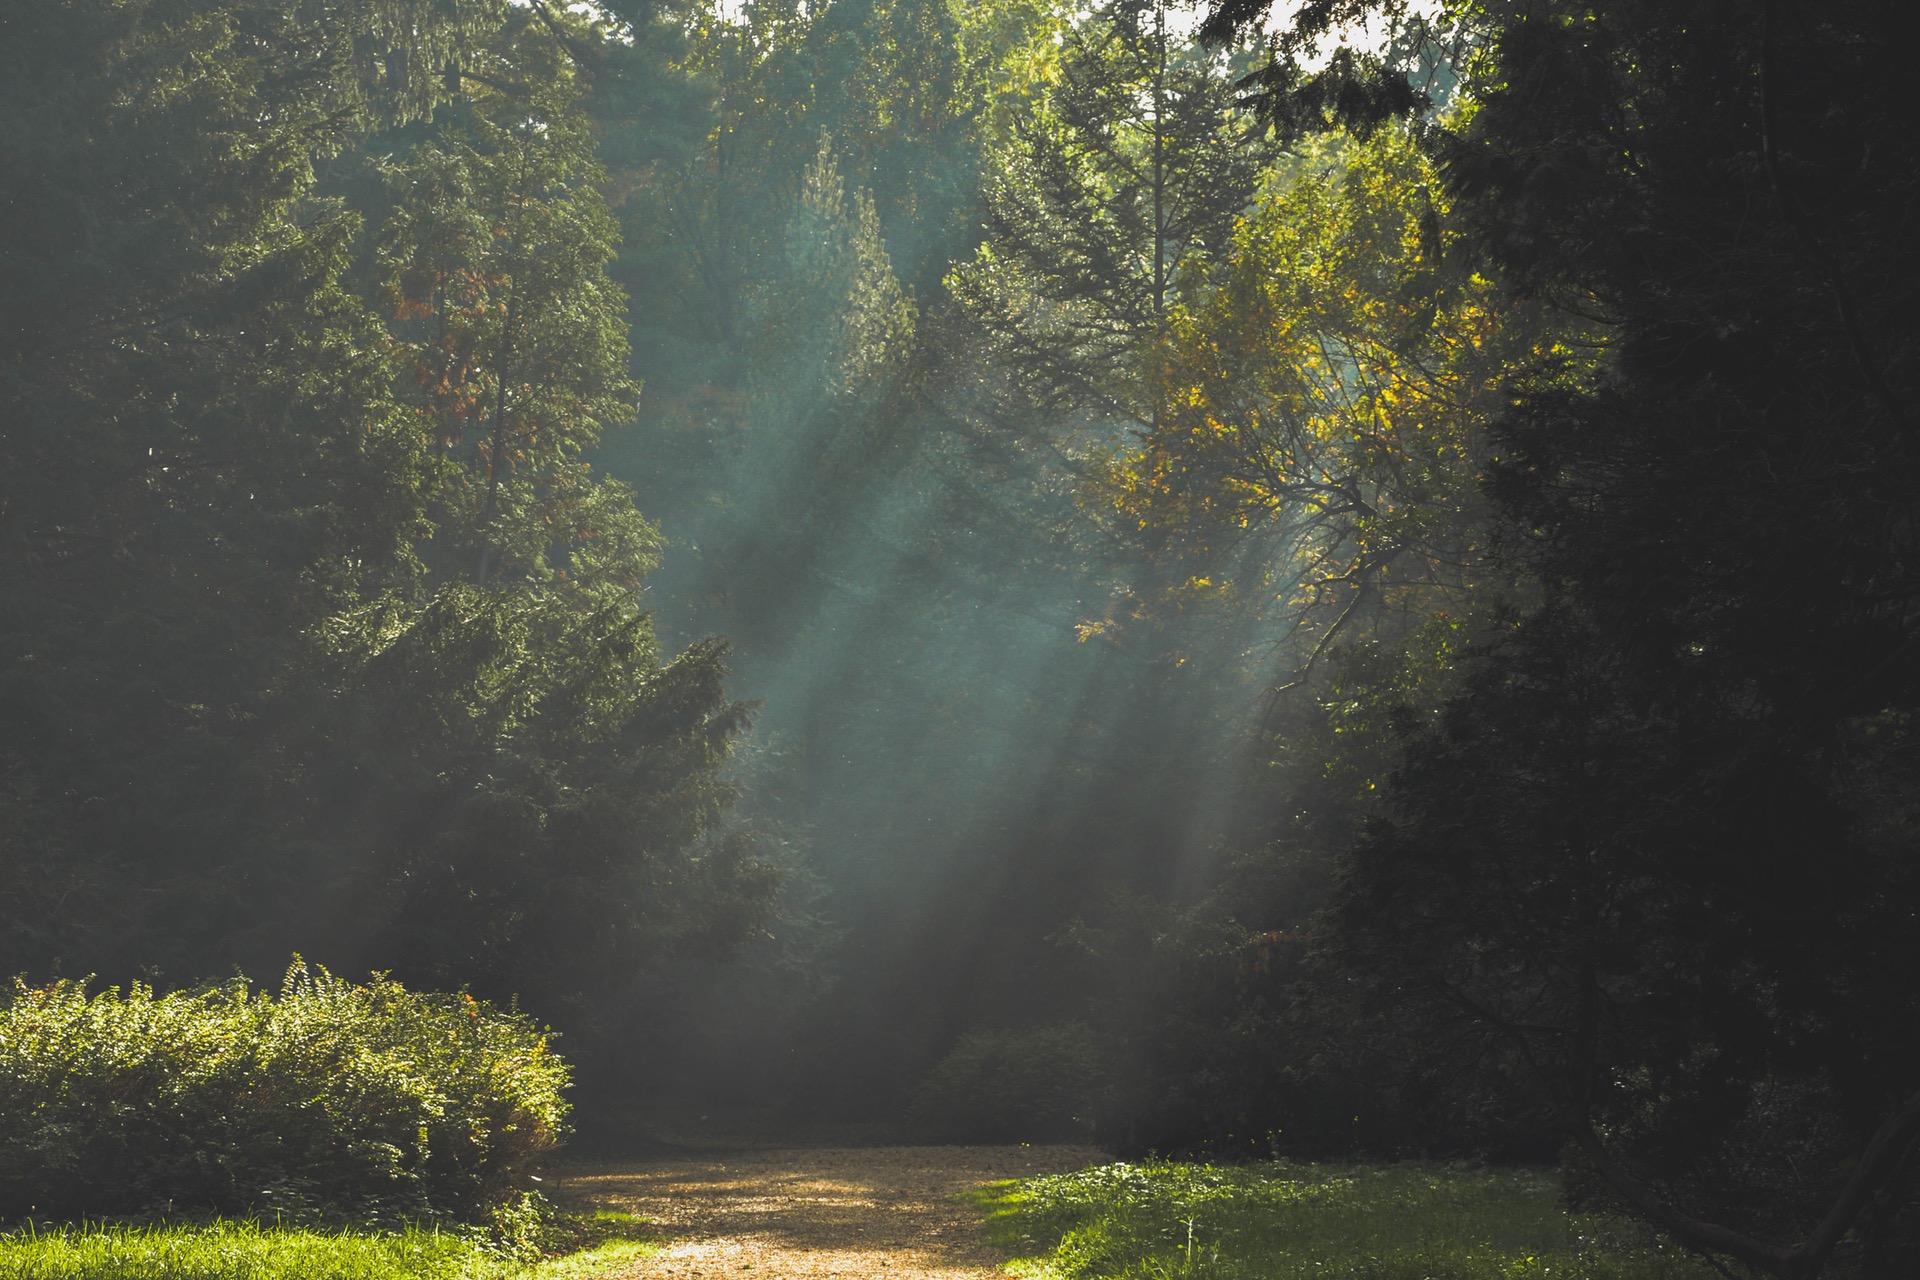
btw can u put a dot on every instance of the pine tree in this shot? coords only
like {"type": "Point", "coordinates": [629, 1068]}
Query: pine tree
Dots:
{"type": "Point", "coordinates": [1132, 166]}
{"type": "Point", "coordinates": [320, 634]}
{"type": "Point", "coordinates": [513, 336]}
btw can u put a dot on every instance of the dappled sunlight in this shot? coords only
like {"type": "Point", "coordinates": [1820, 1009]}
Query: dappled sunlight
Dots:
{"type": "Point", "coordinates": [872, 571]}
{"type": "Point", "coordinates": [897, 1211]}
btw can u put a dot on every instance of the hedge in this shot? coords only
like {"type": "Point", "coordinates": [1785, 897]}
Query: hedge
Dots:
{"type": "Point", "coordinates": [364, 1097]}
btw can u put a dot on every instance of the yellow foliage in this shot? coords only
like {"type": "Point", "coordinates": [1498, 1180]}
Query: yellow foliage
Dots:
{"type": "Point", "coordinates": [1326, 387]}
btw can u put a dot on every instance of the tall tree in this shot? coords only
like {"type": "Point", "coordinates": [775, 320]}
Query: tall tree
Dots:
{"type": "Point", "coordinates": [1649, 854]}
{"type": "Point", "coordinates": [515, 338]}
{"type": "Point", "coordinates": [1322, 393]}
{"type": "Point", "coordinates": [286, 666]}
{"type": "Point", "coordinates": [200, 448]}
{"type": "Point", "coordinates": [1132, 166]}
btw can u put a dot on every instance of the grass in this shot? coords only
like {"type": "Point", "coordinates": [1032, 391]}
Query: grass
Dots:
{"type": "Point", "coordinates": [245, 1250]}
{"type": "Point", "coordinates": [1285, 1221]}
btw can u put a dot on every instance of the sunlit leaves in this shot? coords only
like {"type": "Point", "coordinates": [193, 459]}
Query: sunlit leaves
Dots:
{"type": "Point", "coordinates": [1129, 166]}
{"type": "Point", "coordinates": [842, 310]}
{"type": "Point", "coordinates": [1320, 397]}
{"type": "Point", "coordinates": [226, 1099]}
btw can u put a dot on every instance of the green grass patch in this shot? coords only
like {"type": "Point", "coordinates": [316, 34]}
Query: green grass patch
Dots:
{"type": "Point", "coordinates": [1286, 1221]}
{"type": "Point", "coordinates": [245, 1250]}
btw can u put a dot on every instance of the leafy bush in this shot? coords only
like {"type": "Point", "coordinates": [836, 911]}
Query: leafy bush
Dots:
{"type": "Point", "coordinates": [1031, 1085]}
{"type": "Point", "coordinates": [368, 1097]}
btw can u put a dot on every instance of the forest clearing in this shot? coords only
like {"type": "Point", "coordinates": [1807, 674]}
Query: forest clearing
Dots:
{"type": "Point", "coordinates": [1071, 1213]}
{"type": "Point", "coordinates": [1319, 596]}
{"type": "Point", "coordinates": [1039, 1212]}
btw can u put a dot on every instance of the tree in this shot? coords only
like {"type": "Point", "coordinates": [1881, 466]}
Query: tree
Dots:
{"type": "Point", "coordinates": [1132, 167]}
{"type": "Point", "coordinates": [199, 444]}
{"type": "Point", "coordinates": [286, 667]}
{"type": "Point", "coordinates": [495, 262]}
{"type": "Point", "coordinates": [1647, 859]}
{"type": "Point", "coordinates": [1321, 396]}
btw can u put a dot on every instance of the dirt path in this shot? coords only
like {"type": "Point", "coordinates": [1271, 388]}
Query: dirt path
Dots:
{"type": "Point", "coordinates": [869, 1212]}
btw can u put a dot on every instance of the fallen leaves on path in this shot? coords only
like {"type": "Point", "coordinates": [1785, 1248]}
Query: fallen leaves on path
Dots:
{"type": "Point", "coordinates": [855, 1213]}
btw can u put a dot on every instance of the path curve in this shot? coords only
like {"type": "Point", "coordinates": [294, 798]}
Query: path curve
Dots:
{"type": "Point", "coordinates": [856, 1213]}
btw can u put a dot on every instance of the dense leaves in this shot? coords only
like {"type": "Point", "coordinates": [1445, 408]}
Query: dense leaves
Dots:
{"type": "Point", "coordinates": [320, 631]}
{"type": "Point", "coordinates": [363, 1096]}
{"type": "Point", "coordinates": [1428, 521]}
{"type": "Point", "coordinates": [1013, 1086]}
{"type": "Point", "coordinates": [1644, 855]}
{"type": "Point", "coordinates": [1129, 169]}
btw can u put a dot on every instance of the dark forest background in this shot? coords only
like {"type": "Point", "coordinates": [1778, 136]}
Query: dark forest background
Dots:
{"type": "Point", "coordinates": [1331, 581]}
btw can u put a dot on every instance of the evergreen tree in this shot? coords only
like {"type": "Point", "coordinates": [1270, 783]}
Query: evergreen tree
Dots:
{"type": "Point", "coordinates": [1647, 858]}
{"type": "Point", "coordinates": [513, 336]}
{"type": "Point", "coordinates": [1133, 166]}
{"type": "Point", "coordinates": [320, 634]}
{"type": "Point", "coordinates": [202, 457]}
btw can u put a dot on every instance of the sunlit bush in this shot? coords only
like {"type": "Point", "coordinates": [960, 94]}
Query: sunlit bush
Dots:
{"type": "Point", "coordinates": [360, 1096]}
{"type": "Point", "coordinates": [1033, 1085]}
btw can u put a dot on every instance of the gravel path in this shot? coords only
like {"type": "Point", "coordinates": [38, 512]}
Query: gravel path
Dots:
{"type": "Point", "coordinates": [892, 1212]}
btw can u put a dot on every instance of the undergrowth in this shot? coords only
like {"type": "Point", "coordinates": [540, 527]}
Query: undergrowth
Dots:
{"type": "Point", "coordinates": [1286, 1221]}
{"type": "Point", "coordinates": [366, 1098]}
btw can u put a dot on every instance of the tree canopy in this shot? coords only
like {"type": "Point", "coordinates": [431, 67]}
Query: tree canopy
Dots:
{"type": "Point", "coordinates": [321, 631]}
{"type": "Point", "coordinates": [1349, 561]}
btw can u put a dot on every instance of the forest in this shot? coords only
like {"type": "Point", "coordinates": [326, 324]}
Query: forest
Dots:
{"type": "Point", "coordinates": [1335, 580]}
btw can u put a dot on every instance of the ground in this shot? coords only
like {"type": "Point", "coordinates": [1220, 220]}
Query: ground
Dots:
{"type": "Point", "coordinates": [851, 1212]}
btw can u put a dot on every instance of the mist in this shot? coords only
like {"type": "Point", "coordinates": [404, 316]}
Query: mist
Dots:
{"type": "Point", "coordinates": [889, 572]}
{"type": "Point", "coordinates": [956, 768]}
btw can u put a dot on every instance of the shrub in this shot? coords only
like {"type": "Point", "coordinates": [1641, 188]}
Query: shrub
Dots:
{"type": "Point", "coordinates": [366, 1097]}
{"type": "Point", "coordinates": [1031, 1085]}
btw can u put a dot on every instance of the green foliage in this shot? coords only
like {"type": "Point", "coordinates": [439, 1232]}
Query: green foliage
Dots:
{"type": "Point", "coordinates": [511, 336]}
{"type": "Point", "coordinates": [1284, 1221]}
{"type": "Point", "coordinates": [579, 817]}
{"type": "Point", "coordinates": [320, 630]}
{"type": "Point", "coordinates": [520, 1224]}
{"type": "Point", "coordinates": [201, 458]}
{"type": "Point", "coordinates": [1128, 167]}
{"type": "Point", "coordinates": [1010, 52]}
{"type": "Point", "coordinates": [1639, 871]}
{"type": "Point", "coordinates": [1188, 1008]}
{"type": "Point", "coordinates": [843, 315]}
{"type": "Point", "coordinates": [368, 1097]}
{"type": "Point", "coordinates": [1039, 1084]}
{"type": "Point", "coordinates": [1321, 395]}
{"type": "Point", "coordinates": [1322, 387]}
{"type": "Point", "coordinates": [891, 549]}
